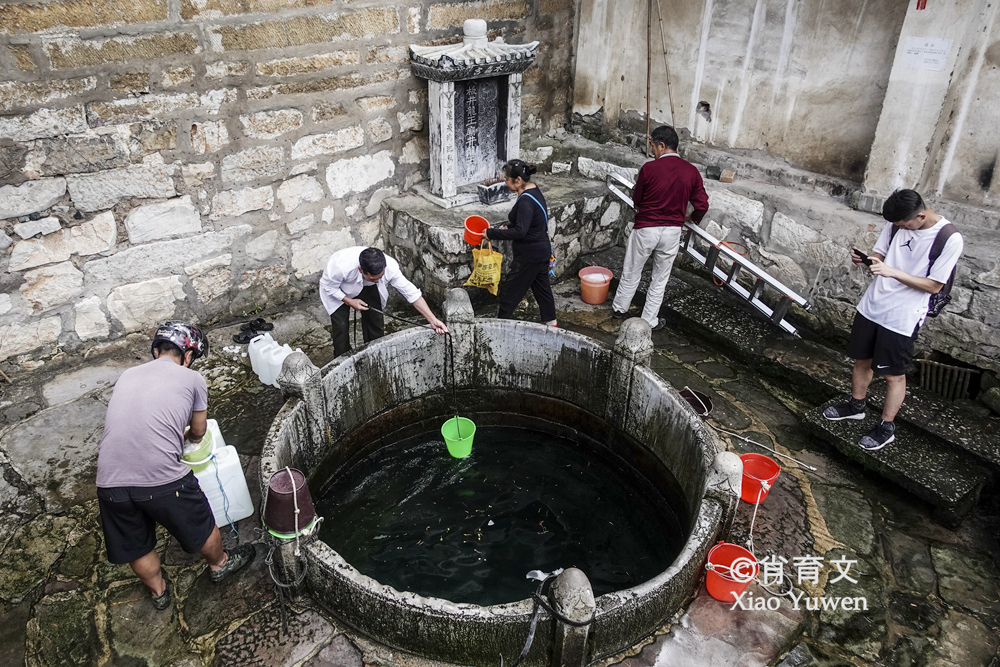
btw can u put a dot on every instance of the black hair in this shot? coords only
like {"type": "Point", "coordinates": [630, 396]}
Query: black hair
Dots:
{"type": "Point", "coordinates": [168, 348]}
{"type": "Point", "coordinates": [667, 135]}
{"type": "Point", "coordinates": [902, 205]}
{"type": "Point", "coordinates": [372, 261]}
{"type": "Point", "coordinates": [519, 169]}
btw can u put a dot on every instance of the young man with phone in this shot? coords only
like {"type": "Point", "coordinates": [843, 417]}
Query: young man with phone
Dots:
{"type": "Point", "coordinates": [894, 306]}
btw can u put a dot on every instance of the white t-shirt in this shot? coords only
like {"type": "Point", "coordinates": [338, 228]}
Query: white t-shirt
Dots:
{"type": "Point", "coordinates": [342, 277]}
{"type": "Point", "coordinates": [896, 306]}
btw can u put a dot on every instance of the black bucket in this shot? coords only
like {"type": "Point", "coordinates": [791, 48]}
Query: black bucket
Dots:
{"type": "Point", "coordinates": [700, 401]}
{"type": "Point", "coordinates": [286, 490]}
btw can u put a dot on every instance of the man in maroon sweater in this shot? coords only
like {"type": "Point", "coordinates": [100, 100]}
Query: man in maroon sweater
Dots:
{"type": "Point", "coordinates": [662, 192]}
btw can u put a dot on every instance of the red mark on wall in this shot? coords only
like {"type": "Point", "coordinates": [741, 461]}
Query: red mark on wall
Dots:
{"type": "Point", "coordinates": [921, 4]}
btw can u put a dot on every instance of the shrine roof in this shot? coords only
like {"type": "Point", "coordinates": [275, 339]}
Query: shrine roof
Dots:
{"type": "Point", "coordinates": [456, 62]}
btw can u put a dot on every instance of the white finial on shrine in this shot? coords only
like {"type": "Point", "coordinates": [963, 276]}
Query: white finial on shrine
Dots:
{"type": "Point", "coordinates": [474, 31]}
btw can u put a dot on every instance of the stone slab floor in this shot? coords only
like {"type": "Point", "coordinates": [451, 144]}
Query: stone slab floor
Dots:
{"type": "Point", "coordinates": [932, 595]}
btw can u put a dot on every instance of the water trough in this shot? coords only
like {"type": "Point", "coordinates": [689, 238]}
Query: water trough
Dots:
{"type": "Point", "coordinates": [555, 379]}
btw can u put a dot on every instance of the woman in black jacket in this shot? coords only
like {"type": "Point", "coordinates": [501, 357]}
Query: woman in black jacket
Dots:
{"type": "Point", "coordinates": [527, 229]}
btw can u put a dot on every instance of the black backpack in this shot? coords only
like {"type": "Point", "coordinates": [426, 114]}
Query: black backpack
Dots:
{"type": "Point", "coordinates": [938, 301]}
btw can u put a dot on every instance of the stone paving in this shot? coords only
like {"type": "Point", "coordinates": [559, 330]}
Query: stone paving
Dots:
{"type": "Point", "coordinates": [932, 594]}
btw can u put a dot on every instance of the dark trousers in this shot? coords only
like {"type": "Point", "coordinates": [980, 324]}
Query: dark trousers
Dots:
{"type": "Point", "coordinates": [515, 284]}
{"type": "Point", "coordinates": [372, 323]}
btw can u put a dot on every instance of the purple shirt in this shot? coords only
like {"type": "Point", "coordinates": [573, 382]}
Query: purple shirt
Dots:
{"type": "Point", "coordinates": [143, 437]}
{"type": "Point", "coordinates": [663, 190]}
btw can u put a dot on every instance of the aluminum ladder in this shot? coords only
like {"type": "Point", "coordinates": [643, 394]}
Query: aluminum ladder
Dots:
{"type": "Point", "coordinates": [714, 250]}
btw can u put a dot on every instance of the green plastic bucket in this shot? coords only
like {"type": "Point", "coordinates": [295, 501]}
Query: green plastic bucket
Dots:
{"type": "Point", "coordinates": [199, 457]}
{"type": "Point", "coordinates": [459, 447]}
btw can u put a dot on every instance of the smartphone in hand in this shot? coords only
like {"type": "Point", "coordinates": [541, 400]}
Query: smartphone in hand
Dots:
{"type": "Point", "coordinates": [865, 259]}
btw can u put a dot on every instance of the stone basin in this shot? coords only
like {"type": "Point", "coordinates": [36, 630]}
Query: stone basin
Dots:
{"type": "Point", "coordinates": [542, 373]}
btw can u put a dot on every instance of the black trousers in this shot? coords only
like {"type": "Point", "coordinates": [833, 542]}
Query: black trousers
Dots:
{"type": "Point", "coordinates": [372, 323]}
{"type": "Point", "coordinates": [513, 287]}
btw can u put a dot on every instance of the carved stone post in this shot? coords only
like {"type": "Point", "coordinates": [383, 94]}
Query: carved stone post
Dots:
{"type": "Point", "coordinates": [513, 119]}
{"type": "Point", "coordinates": [725, 479]}
{"type": "Point", "coordinates": [634, 347]}
{"type": "Point", "coordinates": [441, 95]}
{"type": "Point", "coordinates": [572, 597]}
{"type": "Point", "coordinates": [301, 379]}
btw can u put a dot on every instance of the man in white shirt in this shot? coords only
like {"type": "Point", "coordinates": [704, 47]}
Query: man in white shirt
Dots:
{"type": "Point", "coordinates": [357, 277]}
{"type": "Point", "coordinates": [895, 305]}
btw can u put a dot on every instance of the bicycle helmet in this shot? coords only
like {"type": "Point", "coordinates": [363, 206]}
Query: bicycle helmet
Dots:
{"type": "Point", "coordinates": [185, 336]}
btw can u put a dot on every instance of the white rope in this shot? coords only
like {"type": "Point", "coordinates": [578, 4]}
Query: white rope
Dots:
{"type": "Point", "coordinates": [295, 502]}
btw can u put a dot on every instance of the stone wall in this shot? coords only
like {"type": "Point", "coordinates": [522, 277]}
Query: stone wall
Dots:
{"type": "Point", "coordinates": [801, 80]}
{"type": "Point", "coordinates": [202, 158]}
{"type": "Point", "coordinates": [802, 237]}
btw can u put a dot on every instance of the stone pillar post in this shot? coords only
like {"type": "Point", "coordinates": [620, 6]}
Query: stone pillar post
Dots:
{"type": "Point", "coordinates": [441, 109]}
{"type": "Point", "coordinates": [301, 379]}
{"type": "Point", "coordinates": [725, 479]}
{"type": "Point", "coordinates": [513, 116]}
{"type": "Point", "coordinates": [634, 347]}
{"type": "Point", "coordinates": [571, 596]}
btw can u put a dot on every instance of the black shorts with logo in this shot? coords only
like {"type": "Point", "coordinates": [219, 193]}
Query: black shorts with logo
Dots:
{"type": "Point", "coordinates": [129, 515]}
{"type": "Point", "coordinates": [889, 351]}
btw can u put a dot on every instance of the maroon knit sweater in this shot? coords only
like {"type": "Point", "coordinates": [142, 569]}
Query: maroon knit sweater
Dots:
{"type": "Point", "coordinates": [662, 192]}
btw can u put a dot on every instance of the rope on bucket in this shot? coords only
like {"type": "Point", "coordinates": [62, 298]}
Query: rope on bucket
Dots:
{"type": "Point", "coordinates": [539, 603]}
{"type": "Point", "coordinates": [765, 486]}
{"type": "Point", "coordinates": [449, 365]}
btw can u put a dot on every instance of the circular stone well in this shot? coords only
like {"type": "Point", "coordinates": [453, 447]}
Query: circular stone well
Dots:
{"type": "Point", "coordinates": [560, 382]}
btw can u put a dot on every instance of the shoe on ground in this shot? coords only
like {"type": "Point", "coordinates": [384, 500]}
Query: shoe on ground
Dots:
{"type": "Point", "coordinates": [162, 601]}
{"type": "Point", "coordinates": [618, 316]}
{"type": "Point", "coordinates": [236, 560]}
{"type": "Point", "coordinates": [879, 437]}
{"type": "Point", "coordinates": [844, 411]}
{"type": "Point", "coordinates": [660, 324]}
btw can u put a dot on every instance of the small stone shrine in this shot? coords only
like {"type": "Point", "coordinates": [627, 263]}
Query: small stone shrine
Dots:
{"type": "Point", "coordinates": [474, 95]}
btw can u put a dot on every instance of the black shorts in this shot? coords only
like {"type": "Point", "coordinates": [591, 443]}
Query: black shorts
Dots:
{"type": "Point", "coordinates": [129, 515]}
{"type": "Point", "coordinates": [889, 351]}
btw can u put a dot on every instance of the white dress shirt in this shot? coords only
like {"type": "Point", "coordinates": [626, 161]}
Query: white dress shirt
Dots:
{"type": "Point", "coordinates": [342, 279]}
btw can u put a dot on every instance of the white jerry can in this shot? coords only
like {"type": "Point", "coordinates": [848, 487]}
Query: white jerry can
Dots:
{"type": "Point", "coordinates": [266, 357]}
{"type": "Point", "coordinates": [223, 482]}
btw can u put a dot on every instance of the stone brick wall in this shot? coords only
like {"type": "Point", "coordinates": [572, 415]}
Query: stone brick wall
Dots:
{"type": "Point", "coordinates": [200, 158]}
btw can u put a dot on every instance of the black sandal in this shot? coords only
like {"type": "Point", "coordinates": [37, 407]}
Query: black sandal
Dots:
{"type": "Point", "coordinates": [259, 324]}
{"type": "Point", "coordinates": [245, 336]}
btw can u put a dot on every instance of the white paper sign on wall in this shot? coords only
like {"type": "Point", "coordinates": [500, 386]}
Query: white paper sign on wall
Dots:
{"type": "Point", "coordinates": [929, 53]}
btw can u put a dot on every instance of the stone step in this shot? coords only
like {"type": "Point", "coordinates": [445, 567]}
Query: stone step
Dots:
{"type": "Point", "coordinates": [817, 372]}
{"type": "Point", "coordinates": [916, 461]}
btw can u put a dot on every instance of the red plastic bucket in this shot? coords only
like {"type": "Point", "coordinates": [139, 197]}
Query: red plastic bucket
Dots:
{"type": "Point", "coordinates": [757, 471]}
{"type": "Point", "coordinates": [475, 225]}
{"type": "Point", "coordinates": [729, 571]}
{"type": "Point", "coordinates": [594, 282]}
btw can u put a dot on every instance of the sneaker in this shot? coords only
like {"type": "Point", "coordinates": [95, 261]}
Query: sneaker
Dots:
{"type": "Point", "coordinates": [236, 560]}
{"type": "Point", "coordinates": [660, 324]}
{"type": "Point", "coordinates": [162, 601]}
{"type": "Point", "coordinates": [848, 410]}
{"type": "Point", "coordinates": [879, 437]}
{"type": "Point", "coordinates": [618, 316]}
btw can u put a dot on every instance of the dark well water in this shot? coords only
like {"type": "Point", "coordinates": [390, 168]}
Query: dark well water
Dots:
{"type": "Point", "coordinates": [468, 530]}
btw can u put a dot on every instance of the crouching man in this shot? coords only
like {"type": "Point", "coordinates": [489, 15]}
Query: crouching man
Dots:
{"type": "Point", "coordinates": [141, 480]}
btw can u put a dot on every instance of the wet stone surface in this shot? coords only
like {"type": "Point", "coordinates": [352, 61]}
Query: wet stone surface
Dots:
{"type": "Point", "coordinates": [932, 592]}
{"type": "Point", "coordinates": [260, 641]}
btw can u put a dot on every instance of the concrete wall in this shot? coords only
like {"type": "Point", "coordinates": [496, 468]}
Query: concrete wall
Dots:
{"type": "Point", "coordinates": [199, 159]}
{"type": "Point", "coordinates": [803, 80]}
{"type": "Point", "coordinates": [937, 131]}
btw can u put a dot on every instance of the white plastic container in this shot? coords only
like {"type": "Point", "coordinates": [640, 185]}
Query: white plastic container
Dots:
{"type": "Point", "coordinates": [222, 480]}
{"type": "Point", "coordinates": [266, 357]}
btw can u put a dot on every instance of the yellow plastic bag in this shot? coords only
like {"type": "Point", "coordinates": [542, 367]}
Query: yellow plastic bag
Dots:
{"type": "Point", "coordinates": [486, 264]}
